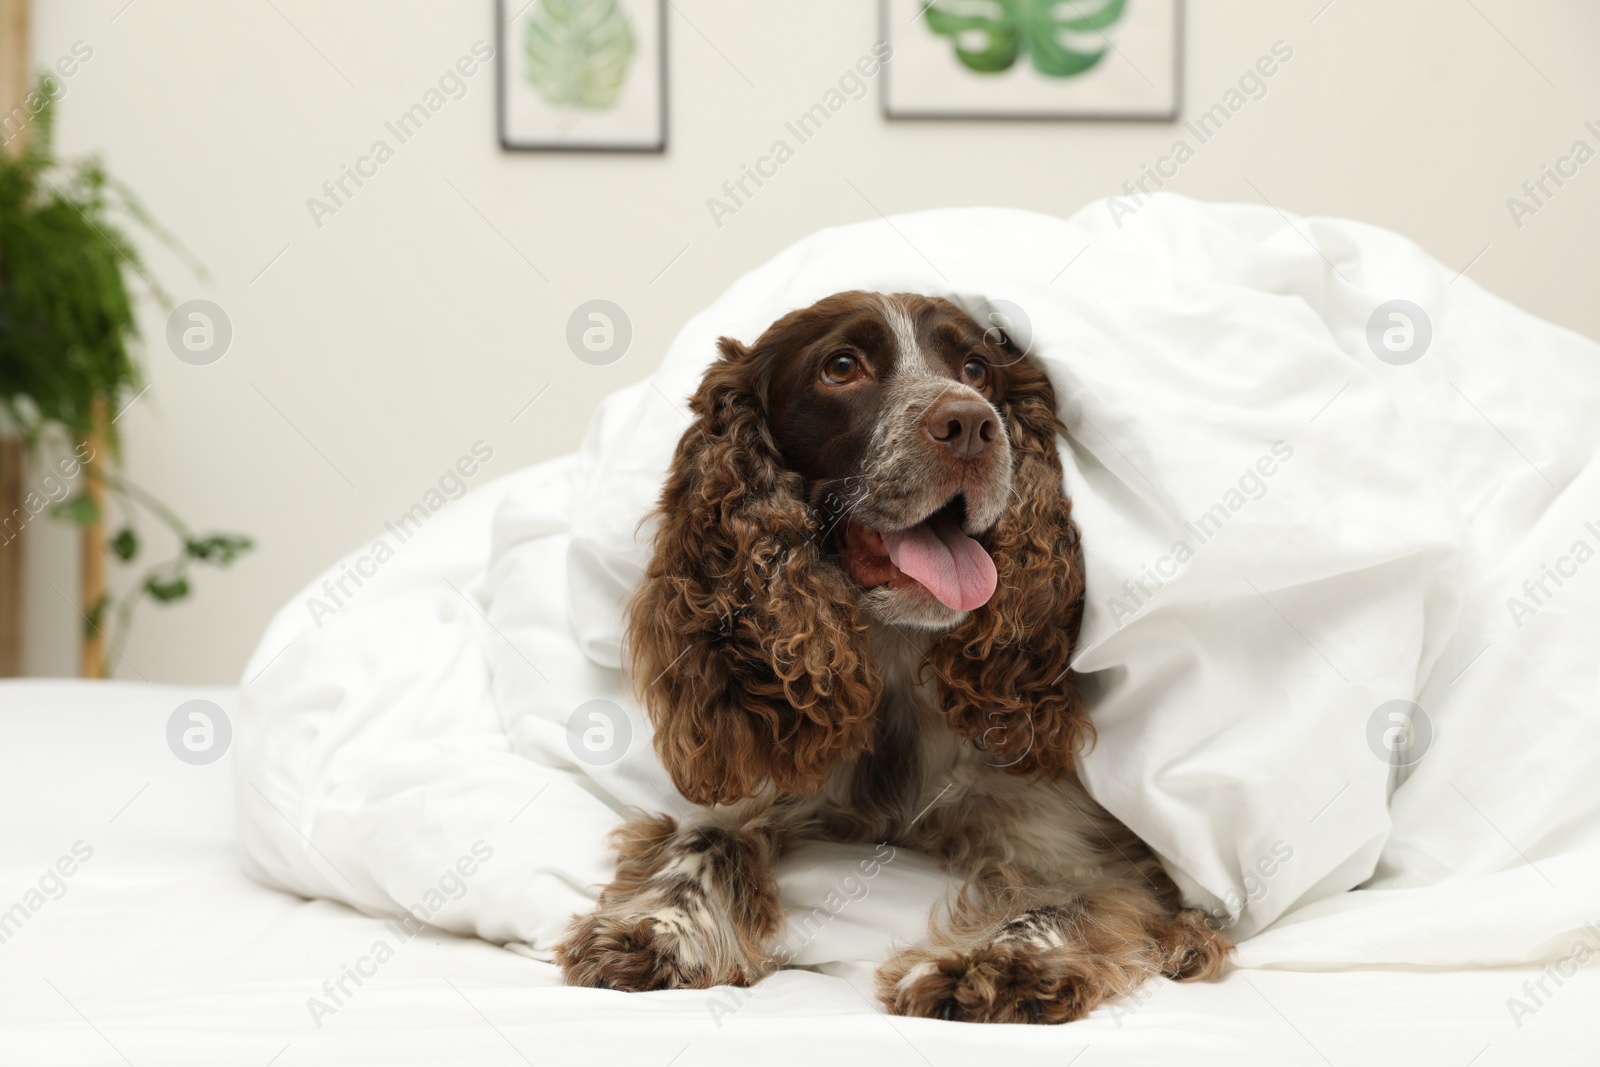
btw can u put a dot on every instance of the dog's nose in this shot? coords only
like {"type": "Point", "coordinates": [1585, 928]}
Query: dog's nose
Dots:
{"type": "Point", "coordinates": [966, 427]}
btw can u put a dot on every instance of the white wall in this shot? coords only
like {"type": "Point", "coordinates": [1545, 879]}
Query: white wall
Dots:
{"type": "Point", "coordinates": [406, 328]}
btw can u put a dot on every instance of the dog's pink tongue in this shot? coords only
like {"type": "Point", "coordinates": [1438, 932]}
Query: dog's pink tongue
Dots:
{"type": "Point", "coordinates": [945, 561]}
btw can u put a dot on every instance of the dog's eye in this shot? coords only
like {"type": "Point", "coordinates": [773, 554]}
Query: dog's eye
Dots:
{"type": "Point", "coordinates": [841, 369]}
{"type": "Point", "coordinates": [976, 371]}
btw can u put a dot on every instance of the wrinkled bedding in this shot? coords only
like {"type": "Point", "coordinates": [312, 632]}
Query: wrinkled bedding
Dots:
{"type": "Point", "coordinates": [1340, 641]}
{"type": "Point", "coordinates": [157, 950]}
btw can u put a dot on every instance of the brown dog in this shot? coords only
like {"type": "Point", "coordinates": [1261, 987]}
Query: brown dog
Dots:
{"type": "Point", "coordinates": [856, 626]}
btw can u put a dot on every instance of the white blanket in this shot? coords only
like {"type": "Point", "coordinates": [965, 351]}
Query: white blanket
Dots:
{"type": "Point", "coordinates": [1307, 513]}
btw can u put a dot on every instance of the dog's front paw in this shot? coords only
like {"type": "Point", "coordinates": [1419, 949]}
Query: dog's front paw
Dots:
{"type": "Point", "coordinates": [994, 983]}
{"type": "Point", "coordinates": [636, 953]}
{"type": "Point", "coordinates": [1192, 950]}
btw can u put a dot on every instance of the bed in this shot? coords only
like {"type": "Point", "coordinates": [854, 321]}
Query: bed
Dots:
{"type": "Point", "coordinates": [160, 951]}
{"type": "Point", "coordinates": [404, 817]}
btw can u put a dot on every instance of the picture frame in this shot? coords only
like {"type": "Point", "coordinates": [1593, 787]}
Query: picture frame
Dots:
{"type": "Point", "coordinates": [1111, 60]}
{"type": "Point", "coordinates": [592, 84]}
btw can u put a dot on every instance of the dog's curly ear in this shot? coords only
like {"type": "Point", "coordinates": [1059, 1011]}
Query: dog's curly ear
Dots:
{"type": "Point", "coordinates": [745, 642]}
{"type": "Point", "coordinates": [1004, 680]}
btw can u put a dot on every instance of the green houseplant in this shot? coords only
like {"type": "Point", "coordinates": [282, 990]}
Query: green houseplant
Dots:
{"type": "Point", "coordinates": [67, 332]}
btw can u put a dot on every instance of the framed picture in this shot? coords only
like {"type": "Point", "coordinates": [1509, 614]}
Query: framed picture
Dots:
{"type": "Point", "coordinates": [582, 75]}
{"type": "Point", "coordinates": [1033, 59]}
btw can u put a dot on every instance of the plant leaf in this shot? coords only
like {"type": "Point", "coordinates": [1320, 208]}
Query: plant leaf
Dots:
{"type": "Point", "coordinates": [78, 510]}
{"type": "Point", "coordinates": [97, 613]}
{"type": "Point", "coordinates": [167, 590]}
{"type": "Point", "coordinates": [221, 549]}
{"type": "Point", "coordinates": [1087, 14]}
{"type": "Point", "coordinates": [126, 544]}
{"type": "Point", "coordinates": [989, 35]}
{"type": "Point", "coordinates": [578, 52]}
{"type": "Point", "coordinates": [1000, 38]}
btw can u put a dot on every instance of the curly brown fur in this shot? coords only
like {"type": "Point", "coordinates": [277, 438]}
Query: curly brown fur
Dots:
{"type": "Point", "coordinates": [688, 909]}
{"type": "Point", "coordinates": [1004, 683]}
{"type": "Point", "coordinates": [1048, 962]}
{"type": "Point", "coordinates": [746, 644]}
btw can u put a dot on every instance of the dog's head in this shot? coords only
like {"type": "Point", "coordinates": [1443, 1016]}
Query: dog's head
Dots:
{"type": "Point", "coordinates": [869, 457]}
{"type": "Point", "coordinates": [887, 408]}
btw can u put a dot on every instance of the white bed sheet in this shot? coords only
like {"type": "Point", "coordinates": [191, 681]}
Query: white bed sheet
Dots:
{"type": "Point", "coordinates": [161, 952]}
